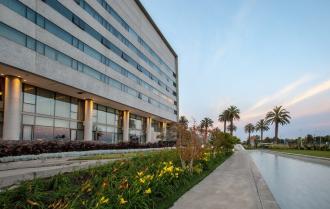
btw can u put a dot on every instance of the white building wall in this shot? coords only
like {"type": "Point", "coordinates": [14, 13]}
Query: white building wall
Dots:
{"type": "Point", "coordinates": [29, 61]}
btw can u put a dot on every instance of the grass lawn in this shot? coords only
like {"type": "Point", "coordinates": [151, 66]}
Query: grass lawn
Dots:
{"type": "Point", "coordinates": [116, 155]}
{"type": "Point", "coordinates": [316, 153]}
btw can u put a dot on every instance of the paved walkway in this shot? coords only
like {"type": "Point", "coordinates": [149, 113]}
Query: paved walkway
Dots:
{"type": "Point", "coordinates": [236, 184]}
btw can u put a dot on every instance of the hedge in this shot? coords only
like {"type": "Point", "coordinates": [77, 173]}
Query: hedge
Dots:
{"type": "Point", "coordinates": [15, 148]}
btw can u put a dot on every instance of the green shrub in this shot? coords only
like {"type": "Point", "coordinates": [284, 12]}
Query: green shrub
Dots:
{"type": "Point", "coordinates": [152, 181]}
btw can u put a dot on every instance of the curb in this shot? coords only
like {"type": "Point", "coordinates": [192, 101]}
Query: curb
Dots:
{"type": "Point", "coordinates": [313, 159]}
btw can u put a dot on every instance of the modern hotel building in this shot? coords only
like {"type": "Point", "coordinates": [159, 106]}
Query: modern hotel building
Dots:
{"type": "Point", "coordinates": [84, 70]}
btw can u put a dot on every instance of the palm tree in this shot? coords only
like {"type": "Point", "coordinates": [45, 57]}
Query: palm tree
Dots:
{"type": "Point", "coordinates": [278, 116]}
{"type": "Point", "coordinates": [206, 123]}
{"type": "Point", "coordinates": [233, 114]}
{"type": "Point", "coordinates": [232, 127]}
{"type": "Point", "coordinates": [262, 125]}
{"type": "Point", "coordinates": [183, 121]}
{"type": "Point", "coordinates": [249, 128]}
{"type": "Point", "coordinates": [224, 117]}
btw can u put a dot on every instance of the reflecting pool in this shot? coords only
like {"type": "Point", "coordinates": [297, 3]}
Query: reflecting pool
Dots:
{"type": "Point", "coordinates": [295, 184]}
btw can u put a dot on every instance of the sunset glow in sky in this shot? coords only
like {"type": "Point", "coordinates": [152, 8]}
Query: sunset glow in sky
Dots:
{"type": "Point", "coordinates": [253, 54]}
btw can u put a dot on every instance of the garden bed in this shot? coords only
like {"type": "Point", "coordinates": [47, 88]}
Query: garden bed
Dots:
{"type": "Point", "coordinates": [152, 181]}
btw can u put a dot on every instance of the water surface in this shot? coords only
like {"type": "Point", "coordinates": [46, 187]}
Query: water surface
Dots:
{"type": "Point", "coordinates": [295, 184]}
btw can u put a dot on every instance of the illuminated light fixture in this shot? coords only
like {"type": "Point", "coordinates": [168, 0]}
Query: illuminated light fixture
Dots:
{"type": "Point", "coordinates": [2, 74]}
{"type": "Point", "coordinates": [24, 80]}
{"type": "Point", "coordinates": [19, 76]}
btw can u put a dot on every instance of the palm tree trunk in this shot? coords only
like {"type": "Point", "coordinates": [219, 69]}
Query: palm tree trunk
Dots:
{"type": "Point", "coordinates": [261, 132]}
{"type": "Point", "coordinates": [249, 138]}
{"type": "Point", "coordinates": [231, 127]}
{"type": "Point", "coordinates": [205, 139]}
{"type": "Point", "coordinates": [224, 126]}
{"type": "Point", "coordinates": [276, 133]}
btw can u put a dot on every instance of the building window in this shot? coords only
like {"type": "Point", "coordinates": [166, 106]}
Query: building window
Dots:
{"type": "Point", "coordinates": [70, 62]}
{"type": "Point", "coordinates": [107, 124]}
{"type": "Point", "coordinates": [156, 125]}
{"type": "Point", "coordinates": [62, 106]}
{"type": "Point", "coordinates": [45, 102]}
{"type": "Point", "coordinates": [137, 128]}
{"type": "Point", "coordinates": [49, 115]}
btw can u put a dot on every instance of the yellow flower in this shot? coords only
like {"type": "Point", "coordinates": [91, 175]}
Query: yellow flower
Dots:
{"type": "Point", "coordinates": [169, 169]}
{"type": "Point", "coordinates": [104, 200]}
{"type": "Point", "coordinates": [122, 201]}
{"type": "Point", "coordinates": [86, 187]}
{"type": "Point", "coordinates": [148, 191]}
{"type": "Point", "coordinates": [149, 177]}
{"type": "Point", "coordinates": [142, 180]}
{"type": "Point", "coordinates": [140, 173]}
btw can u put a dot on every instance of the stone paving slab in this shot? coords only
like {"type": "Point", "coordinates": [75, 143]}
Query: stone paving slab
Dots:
{"type": "Point", "coordinates": [236, 184]}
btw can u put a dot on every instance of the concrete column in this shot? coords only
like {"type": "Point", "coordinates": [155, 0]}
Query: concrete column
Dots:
{"type": "Point", "coordinates": [164, 130]}
{"type": "Point", "coordinates": [126, 126]}
{"type": "Point", "coordinates": [12, 108]}
{"type": "Point", "coordinates": [88, 122]}
{"type": "Point", "coordinates": [148, 130]}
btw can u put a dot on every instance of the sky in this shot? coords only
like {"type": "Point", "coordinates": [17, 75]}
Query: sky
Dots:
{"type": "Point", "coordinates": [254, 54]}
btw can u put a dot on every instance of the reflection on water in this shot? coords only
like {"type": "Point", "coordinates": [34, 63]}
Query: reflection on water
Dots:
{"type": "Point", "coordinates": [295, 184]}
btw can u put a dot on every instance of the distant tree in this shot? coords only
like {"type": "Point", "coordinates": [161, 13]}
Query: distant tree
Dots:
{"type": "Point", "coordinates": [205, 124]}
{"type": "Point", "coordinates": [233, 114]}
{"type": "Point", "coordinates": [309, 139]}
{"type": "Point", "coordinates": [268, 140]}
{"type": "Point", "coordinates": [249, 128]}
{"type": "Point", "coordinates": [224, 117]}
{"type": "Point", "coordinates": [183, 121]}
{"type": "Point", "coordinates": [278, 116]}
{"type": "Point", "coordinates": [262, 126]}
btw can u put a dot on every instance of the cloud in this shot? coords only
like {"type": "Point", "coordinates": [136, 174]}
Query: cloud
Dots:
{"type": "Point", "coordinates": [309, 93]}
{"type": "Point", "coordinates": [259, 108]}
{"type": "Point", "coordinates": [283, 92]}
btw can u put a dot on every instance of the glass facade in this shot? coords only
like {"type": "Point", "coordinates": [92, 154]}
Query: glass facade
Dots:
{"type": "Point", "coordinates": [125, 41]}
{"type": "Point", "coordinates": [123, 23]}
{"type": "Point", "coordinates": [107, 124]}
{"type": "Point", "coordinates": [49, 115]}
{"type": "Point", "coordinates": [103, 40]}
{"type": "Point", "coordinates": [67, 37]}
{"type": "Point", "coordinates": [2, 91]}
{"type": "Point", "coordinates": [137, 128]}
{"type": "Point", "coordinates": [157, 127]}
{"type": "Point", "coordinates": [27, 41]}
